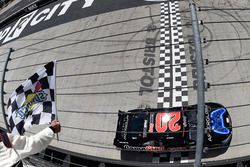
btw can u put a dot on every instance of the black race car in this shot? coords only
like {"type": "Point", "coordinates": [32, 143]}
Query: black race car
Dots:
{"type": "Point", "coordinates": [172, 129]}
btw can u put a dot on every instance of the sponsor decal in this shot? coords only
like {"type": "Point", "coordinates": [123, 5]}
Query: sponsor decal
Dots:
{"type": "Point", "coordinates": [13, 32]}
{"type": "Point", "coordinates": [151, 123]}
{"type": "Point", "coordinates": [217, 122]}
{"type": "Point", "coordinates": [134, 148]}
{"type": "Point", "coordinates": [125, 127]}
{"type": "Point", "coordinates": [146, 148]}
{"type": "Point", "coordinates": [176, 149]}
{"type": "Point", "coordinates": [208, 126]}
{"type": "Point", "coordinates": [145, 129]}
{"type": "Point", "coordinates": [38, 16]}
{"type": "Point", "coordinates": [154, 148]}
{"type": "Point", "coordinates": [59, 12]}
{"type": "Point", "coordinates": [37, 97]}
{"type": "Point", "coordinates": [151, 128]}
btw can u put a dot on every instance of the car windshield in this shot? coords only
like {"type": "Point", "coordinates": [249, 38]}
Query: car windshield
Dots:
{"type": "Point", "coordinates": [192, 124]}
{"type": "Point", "coordinates": [136, 124]}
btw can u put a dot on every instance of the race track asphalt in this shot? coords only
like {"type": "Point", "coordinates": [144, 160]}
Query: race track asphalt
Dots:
{"type": "Point", "coordinates": [101, 68]}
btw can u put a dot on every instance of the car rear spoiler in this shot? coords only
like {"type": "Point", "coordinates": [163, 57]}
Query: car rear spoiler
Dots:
{"type": "Point", "coordinates": [121, 128]}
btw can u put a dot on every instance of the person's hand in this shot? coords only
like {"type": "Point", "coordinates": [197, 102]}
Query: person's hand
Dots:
{"type": "Point", "coordinates": [55, 126]}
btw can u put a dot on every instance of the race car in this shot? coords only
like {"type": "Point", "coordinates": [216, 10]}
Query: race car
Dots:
{"type": "Point", "coordinates": [172, 129]}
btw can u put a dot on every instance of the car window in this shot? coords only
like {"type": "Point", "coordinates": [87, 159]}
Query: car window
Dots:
{"type": "Point", "coordinates": [136, 124]}
{"type": "Point", "coordinates": [191, 124]}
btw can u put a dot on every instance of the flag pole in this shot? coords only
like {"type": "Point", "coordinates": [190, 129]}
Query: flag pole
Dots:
{"type": "Point", "coordinates": [57, 136]}
{"type": "Point", "coordinates": [2, 91]}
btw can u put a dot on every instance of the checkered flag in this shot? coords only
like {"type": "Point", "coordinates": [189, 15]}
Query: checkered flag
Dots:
{"type": "Point", "coordinates": [33, 102]}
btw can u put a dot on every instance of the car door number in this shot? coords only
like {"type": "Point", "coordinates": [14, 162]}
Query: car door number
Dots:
{"type": "Point", "coordinates": [165, 121]}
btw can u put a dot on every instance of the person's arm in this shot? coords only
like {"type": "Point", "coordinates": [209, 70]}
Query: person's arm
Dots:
{"type": "Point", "coordinates": [26, 146]}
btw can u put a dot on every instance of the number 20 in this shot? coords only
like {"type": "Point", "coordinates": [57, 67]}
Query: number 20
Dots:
{"type": "Point", "coordinates": [162, 126]}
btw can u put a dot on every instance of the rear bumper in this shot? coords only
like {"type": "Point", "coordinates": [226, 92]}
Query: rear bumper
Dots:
{"type": "Point", "coordinates": [121, 129]}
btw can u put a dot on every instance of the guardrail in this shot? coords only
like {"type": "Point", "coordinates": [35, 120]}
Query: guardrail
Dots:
{"type": "Point", "coordinates": [200, 85]}
{"type": "Point", "coordinates": [2, 87]}
{"type": "Point", "coordinates": [91, 161]}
